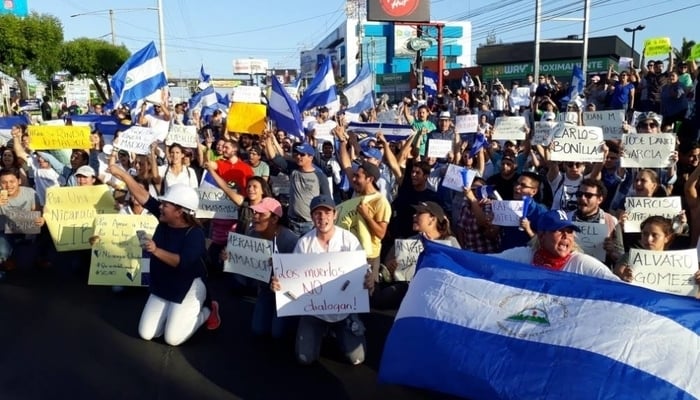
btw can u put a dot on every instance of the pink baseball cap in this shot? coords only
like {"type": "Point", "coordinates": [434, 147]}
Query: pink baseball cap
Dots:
{"type": "Point", "coordinates": [268, 204]}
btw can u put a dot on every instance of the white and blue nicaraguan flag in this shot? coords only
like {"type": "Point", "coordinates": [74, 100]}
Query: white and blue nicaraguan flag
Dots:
{"type": "Point", "coordinates": [359, 93]}
{"type": "Point", "coordinates": [284, 110]}
{"type": "Point", "coordinates": [321, 91]}
{"type": "Point", "coordinates": [139, 77]}
{"type": "Point", "coordinates": [204, 98]}
{"type": "Point", "coordinates": [392, 132]}
{"type": "Point", "coordinates": [430, 81]}
{"type": "Point", "coordinates": [483, 328]}
{"type": "Point", "coordinates": [204, 78]}
{"type": "Point", "coordinates": [577, 84]}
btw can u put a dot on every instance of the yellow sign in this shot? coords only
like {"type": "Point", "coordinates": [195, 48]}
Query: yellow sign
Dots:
{"type": "Point", "coordinates": [59, 137]}
{"type": "Point", "coordinates": [70, 214]}
{"type": "Point", "coordinates": [657, 46]}
{"type": "Point", "coordinates": [695, 52]}
{"type": "Point", "coordinates": [246, 118]}
{"type": "Point", "coordinates": [117, 257]}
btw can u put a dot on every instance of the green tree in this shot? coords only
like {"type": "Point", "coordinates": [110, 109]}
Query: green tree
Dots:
{"type": "Point", "coordinates": [683, 53]}
{"type": "Point", "coordinates": [94, 59]}
{"type": "Point", "coordinates": [33, 44]}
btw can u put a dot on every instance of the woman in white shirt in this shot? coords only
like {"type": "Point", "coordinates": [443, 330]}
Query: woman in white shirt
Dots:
{"type": "Point", "coordinates": [175, 171]}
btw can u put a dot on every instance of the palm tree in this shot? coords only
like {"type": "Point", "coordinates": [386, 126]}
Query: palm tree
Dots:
{"type": "Point", "coordinates": [684, 52]}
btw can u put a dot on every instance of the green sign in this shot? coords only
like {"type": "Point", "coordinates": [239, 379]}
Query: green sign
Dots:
{"type": "Point", "coordinates": [561, 67]}
{"type": "Point", "coordinates": [392, 79]}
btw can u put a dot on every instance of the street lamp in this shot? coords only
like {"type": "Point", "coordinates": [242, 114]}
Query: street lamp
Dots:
{"type": "Point", "coordinates": [161, 31]}
{"type": "Point", "coordinates": [634, 30]}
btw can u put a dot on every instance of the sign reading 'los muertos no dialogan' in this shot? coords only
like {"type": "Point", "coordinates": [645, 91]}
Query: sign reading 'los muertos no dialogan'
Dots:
{"type": "Point", "coordinates": [398, 10]}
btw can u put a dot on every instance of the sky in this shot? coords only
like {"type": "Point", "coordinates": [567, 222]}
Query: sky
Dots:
{"type": "Point", "coordinates": [216, 32]}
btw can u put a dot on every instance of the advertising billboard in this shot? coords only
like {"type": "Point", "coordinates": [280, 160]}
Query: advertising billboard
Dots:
{"type": "Point", "coordinates": [250, 66]}
{"type": "Point", "coordinates": [16, 7]}
{"type": "Point", "coordinates": [398, 10]}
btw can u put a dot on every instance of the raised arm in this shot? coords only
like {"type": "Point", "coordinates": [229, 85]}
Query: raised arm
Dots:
{"type": "Point", "coordinates": [223, 185]}
{"type": "Point", "coordinates": [136, 189]}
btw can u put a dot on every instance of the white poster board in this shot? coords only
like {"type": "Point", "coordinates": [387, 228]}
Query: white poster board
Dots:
{"type": "Point", "coordinates": [246, 94]}
{"type": "Point", "coordinates": [509, 128]}
{"type": "Point", "coordinates": [610, 121]}
{"type": "Point", "coordinates": [457, 178]}
{"type": "Point", "coordinates": [406, 252]}
{"type": "Point", "coordinates": [520, 97]}
{"type": "Point", "coordinates": [439, 148]}
{"type": "Point", "coordinates": [591, 238]}
{"type": "Point", "coordinates": [642, 150]}
{"type": "Point", "coordinates": [137, 140]}
{"type": "Point", "coordinates": [21, 221]}
{"type": "Point", "coordinates": [213, 203]}
{"type": "Point", "coordinates": [640, 208]}
{"type": "Point", "coordinates": [543, 133]}
{"type": "Point", "coordinates": [184, 135]}
{"type": "Point", "coordinates": [507, 212]}
{"type": "Point", "coordinates": [570, 117]}
{"type": "Point", "coordinates": [160, 128]}
{"type": "Point", "coordinates": [466, 123]}
{"type": "Point", "coordinates": [670, 271]}
{"type": "Point", "coordinates": [248, 256]}
{"type": "Point", "coordinates": [318, 284]}
{"type": "Point", "coordinates": [577, 143]}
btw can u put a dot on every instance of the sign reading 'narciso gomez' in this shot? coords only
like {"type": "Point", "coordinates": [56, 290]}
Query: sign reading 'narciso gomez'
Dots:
{"type": "Point", "coordinates": [398, 10]}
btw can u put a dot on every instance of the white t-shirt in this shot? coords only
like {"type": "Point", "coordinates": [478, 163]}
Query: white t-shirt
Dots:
{"type": "Point", "coordinates": [564, 192]}
{"type": "Point", "coordinates": [579, 263]}
{"type": "Point", "coordinates": [44, 178]}
{"type": "Point", "coordinates": [186, 176]}
{"type": "Point", "coordinates": [342, 240]}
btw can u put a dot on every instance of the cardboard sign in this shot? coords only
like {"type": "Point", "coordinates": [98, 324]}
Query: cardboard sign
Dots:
{"type": "Point", "coordinates": [59, 137]}
{"type": "Point", "coordinates": [159, 127]}
{"type": "Point", "coordinates": [640, 208]}
{"type": "Point", "coordinates": [610, 121]}
{"type": "Point", "coordinates": [318, 284]}
{"type": "Point", "coordinates": [647, 151]}
{"type": "Point", "coordinates": [669, 271]}
{"type": "Point", "coordinates": [21, 221]}
{"type": "Point", "coordinates": [543, 133]}
{"type": "Point", "coordinates": [70, 214]}
{"type": "Point", "coordinates": [625, 63]}
{"type": "Point", "coordinates": [118, 258]}
{"type": "Point", "coordinates": [406, 252]}
{"type": "Point", "coordinates": [246, 94]}
{"type": "Point", "coordinates": [457, 178]}
{"type": "Point", "coordinates": [658, 46]}
{"type": "Point", "coordinates": [570, 117]}
{"type": "Point", "coordinates": [248, 256]}
{"type": "Point", "coordinates": [439, 148]}
{"type": "Point", "coordinates": [509, 128]}
{"type": "Point", "coordinates": [507, 212]}
{"type": "Point", "coordinates": [213, 203]}
{"type": "Point", "coordinates": [466, 123]}
{"type": "Point", "coordinates": [520, 97]}
{"type": "Point", "coordinates": [591, 238]}
{"type": "Point", "coordinates": [246, 118]}
{"type": "Point", "coordinates": [137, 140]}
{"type": "Point", "coordinates": [577, 143]}
{"type": "Point", "coordinates": [184, 135]}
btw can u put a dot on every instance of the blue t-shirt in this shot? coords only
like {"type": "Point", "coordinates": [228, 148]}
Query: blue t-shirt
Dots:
{"type": "Point", "coordinates": [172, 283]}
{"type": "Point", "coordinates": [621, 96]}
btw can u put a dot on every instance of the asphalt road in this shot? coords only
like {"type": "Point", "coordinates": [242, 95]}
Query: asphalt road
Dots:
{"type": "Point", "coordinates": [64, 339]}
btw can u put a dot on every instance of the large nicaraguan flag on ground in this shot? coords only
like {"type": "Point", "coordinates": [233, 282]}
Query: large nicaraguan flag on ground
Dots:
{"type": "Point", "coordinates": [139, 77]}
{"type": "Point", "coordinates": [483, 328]}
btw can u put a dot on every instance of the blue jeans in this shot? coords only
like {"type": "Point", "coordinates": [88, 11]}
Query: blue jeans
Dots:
{"type": "Point", "coordinates": [348, 332]}
{"type": "Point", "coordinates": [265, 320]}
{"type": "Point", "coordinates": [300, 227]}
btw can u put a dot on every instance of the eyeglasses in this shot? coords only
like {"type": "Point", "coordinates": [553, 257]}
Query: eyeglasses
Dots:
{"type": "Point", "coordinates": [587, 195]}
{"type": "Point", "coordinates": [522, 185]}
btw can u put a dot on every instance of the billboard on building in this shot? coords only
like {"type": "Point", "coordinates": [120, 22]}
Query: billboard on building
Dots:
{"type": "Point", "coordinates": [402, 35]}
{"type": "Point", "coordinates": [250, 66]}
{"type": "Point", "coordinates": [16, 7]}
{"type": "Point", "coordinates": [310, 60]}
{"type": "Point", "coordinates": [398, 10]}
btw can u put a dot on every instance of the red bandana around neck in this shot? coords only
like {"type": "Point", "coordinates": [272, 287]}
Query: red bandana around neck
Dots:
{"type": "Point", "coordinates": [545, 259]}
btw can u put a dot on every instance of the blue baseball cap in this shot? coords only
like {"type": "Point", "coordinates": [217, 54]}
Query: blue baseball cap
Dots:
{"type": "Point", "coordinates": [322, 200]}
{"type": "Point", "coordinates": [371, 152]}
{"type": "Point", "coordinates": [305, 148]}
{"type": "Point", "coordinates": [555, 220]}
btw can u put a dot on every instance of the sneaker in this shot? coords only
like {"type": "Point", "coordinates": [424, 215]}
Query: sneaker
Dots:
{"type": "Point", "coordinates": [214, 320]}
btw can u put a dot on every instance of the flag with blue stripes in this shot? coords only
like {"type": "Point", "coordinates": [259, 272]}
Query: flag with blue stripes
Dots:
{"type": "Point", "coordinates": [321, 91]}
{"type": "Point", "coordinates": [392, 132]}
{"type": "Point", "coordinates": [139, 77]}
{"type": "Point", "coordinates": [430, 81]}
{"type": "Point", "coordinates": [479, 327]}
{"type": "Point", "coordinates": [204, 78]}
{"type": "Point", "coordinates": [284, 110]}
{"type": "Point", "coordinates": [360, 92]}
{"type": "Point", "coordinates": [205, 98]}
{"type": "Point", "coordinates": [577, 83]}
